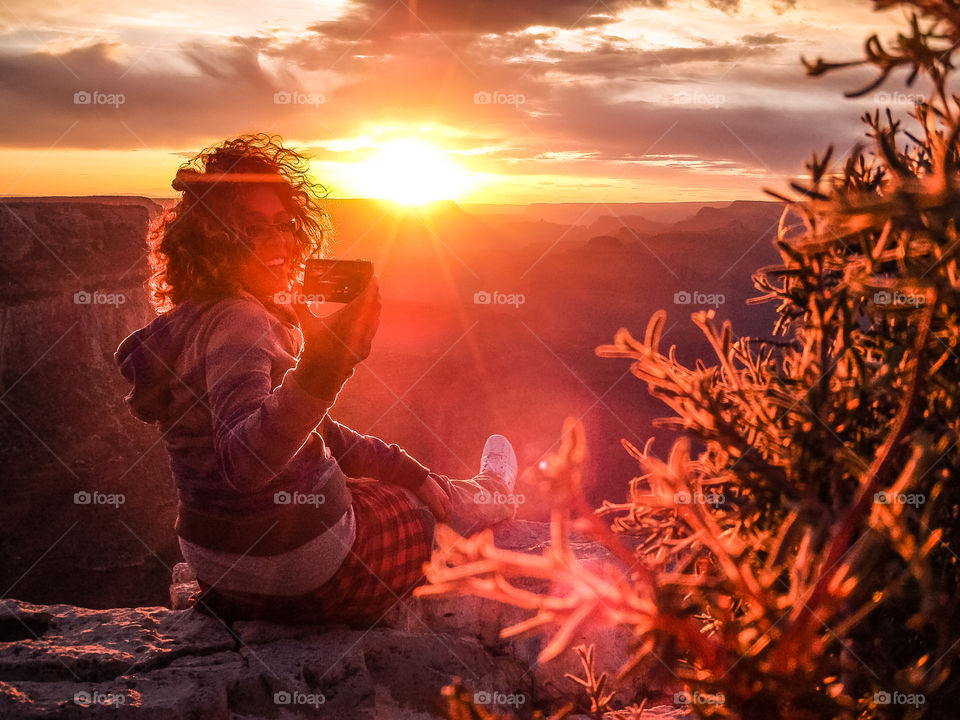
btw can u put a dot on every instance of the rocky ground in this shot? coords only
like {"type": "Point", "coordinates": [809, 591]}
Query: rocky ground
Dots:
{"type": "Point", "coordinates": [62, 661]}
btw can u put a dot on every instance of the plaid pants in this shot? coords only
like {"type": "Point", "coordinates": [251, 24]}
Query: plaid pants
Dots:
{"type": "Point", "coordinates": [394, 539]}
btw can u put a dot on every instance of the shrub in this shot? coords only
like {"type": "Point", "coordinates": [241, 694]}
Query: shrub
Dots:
{"type": "Point", "coordinates": [800, 560]}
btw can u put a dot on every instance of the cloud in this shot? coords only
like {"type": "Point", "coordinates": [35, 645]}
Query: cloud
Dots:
{"type": "Point", "coordinates": [229, 90]}
{"type": "Point", "coordinates": [380, 19]}
{"type": "Point", "coordinates": [594, 102]}
{"type": "Point", "coordinates": [615, 59]}
{"type": "Point", "coordinates": [159, 107]}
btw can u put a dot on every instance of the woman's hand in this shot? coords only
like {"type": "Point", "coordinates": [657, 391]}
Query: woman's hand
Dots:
{"type": "Point", "coordinates": [336, 343]}
{"type": "Point", "coordinates": [434, 498]}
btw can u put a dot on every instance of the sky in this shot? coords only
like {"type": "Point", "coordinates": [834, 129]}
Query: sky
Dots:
{"type": "Point", "coordinates": [485, 101]}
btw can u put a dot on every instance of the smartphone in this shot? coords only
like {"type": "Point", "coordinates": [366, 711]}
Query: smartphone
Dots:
{"type": "Point", "coordinates": [336, 280]}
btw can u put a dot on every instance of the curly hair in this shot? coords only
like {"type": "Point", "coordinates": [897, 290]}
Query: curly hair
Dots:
{"type": "Point", "coordinates": [194, 246]}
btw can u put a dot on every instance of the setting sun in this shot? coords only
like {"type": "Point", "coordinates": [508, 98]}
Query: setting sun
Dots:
{"type": "Point", "coordinates": [410, 172]}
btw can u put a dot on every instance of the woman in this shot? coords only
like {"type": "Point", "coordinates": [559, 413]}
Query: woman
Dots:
{"type": "Point", "coordinates": [283, 512]}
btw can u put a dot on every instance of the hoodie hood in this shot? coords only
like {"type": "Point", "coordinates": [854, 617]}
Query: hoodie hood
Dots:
{"type": "Point", "coordinates": [147, 356]}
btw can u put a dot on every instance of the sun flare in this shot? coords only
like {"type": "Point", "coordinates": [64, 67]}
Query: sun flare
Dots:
{"type": "Point", "coordinates": [410, 172]}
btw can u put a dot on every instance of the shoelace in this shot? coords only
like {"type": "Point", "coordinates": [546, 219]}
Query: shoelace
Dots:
{"type": "Point", "coordinates": [492, 458]}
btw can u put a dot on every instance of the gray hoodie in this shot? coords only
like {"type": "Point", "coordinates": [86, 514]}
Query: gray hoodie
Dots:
{"type": "Point", "coordinates": [259, 464]}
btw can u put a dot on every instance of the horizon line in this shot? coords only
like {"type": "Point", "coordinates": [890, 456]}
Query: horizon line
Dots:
{"type": "Point", "coordinates": [394, 202]}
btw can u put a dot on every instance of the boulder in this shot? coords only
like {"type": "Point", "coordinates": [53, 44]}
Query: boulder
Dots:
{"type": "Point", "coordinates": [159, 663]}
{"type": "Point", "coordinates": [71, 288]}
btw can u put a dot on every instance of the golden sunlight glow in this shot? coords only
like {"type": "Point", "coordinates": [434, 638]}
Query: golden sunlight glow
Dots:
{"type": "Point", "coordinates": [410, 172]}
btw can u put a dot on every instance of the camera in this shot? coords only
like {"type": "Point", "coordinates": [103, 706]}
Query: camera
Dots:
{"type": "Point", "coordinates": [336, 280]}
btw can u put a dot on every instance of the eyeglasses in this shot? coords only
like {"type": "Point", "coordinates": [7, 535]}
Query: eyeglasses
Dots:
{"type": "Point", "coordinates": [259, 230]}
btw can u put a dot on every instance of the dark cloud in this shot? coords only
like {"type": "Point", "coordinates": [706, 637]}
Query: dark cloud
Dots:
{"type": "Point", "coordinates": [757, 136]}
{"type": "Point", "coordinates": [388, 18]}
{"type": "Point", "coordinates": [770, 38]}
{"type": "Point", "coordinates": [618, 60]}
{"type": "Point", "coordinates": [160, 106]}
{"type": "Point", "coordinates": [418, 70]}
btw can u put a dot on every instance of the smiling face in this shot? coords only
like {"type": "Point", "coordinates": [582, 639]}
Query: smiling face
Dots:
{"type": "Point", "coordinates": [267, 229]}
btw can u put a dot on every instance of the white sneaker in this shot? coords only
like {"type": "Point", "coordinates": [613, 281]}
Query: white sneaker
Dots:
{"type": "Point", "coordinates": [479, 502]}
{"type": "Point", "coordinates": [500, 460]}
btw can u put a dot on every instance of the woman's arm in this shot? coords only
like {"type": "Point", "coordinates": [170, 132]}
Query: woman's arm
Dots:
{"type": "Point", "coordinates": [368, 456]}
{"type": "Point", "coordinates": [258, 430]}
